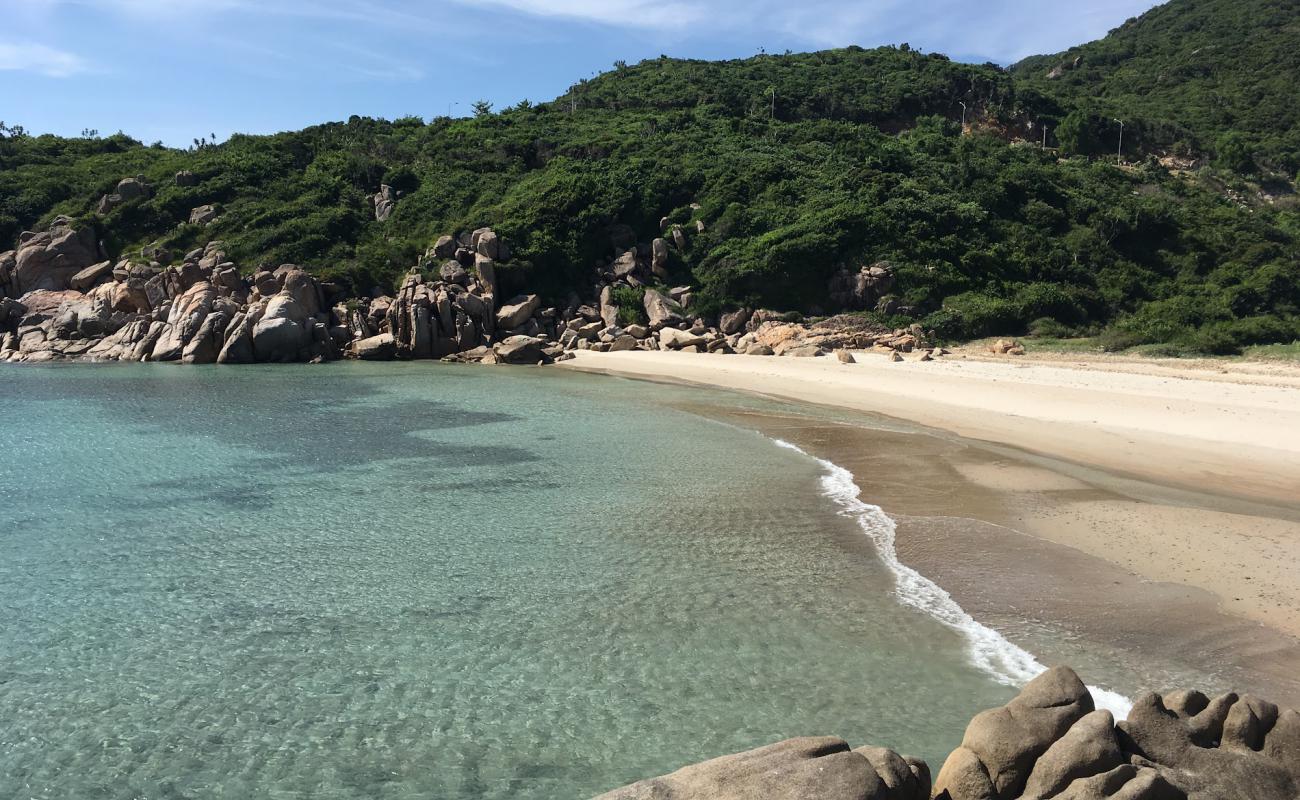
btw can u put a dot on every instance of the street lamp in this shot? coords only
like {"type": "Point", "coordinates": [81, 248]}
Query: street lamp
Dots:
{"type": "Point", "coordinates": [449, 107]}
{"type": "Point", "coordinates": [1120, 160]}
{"type": "Point", "coordinates": [963, 114]}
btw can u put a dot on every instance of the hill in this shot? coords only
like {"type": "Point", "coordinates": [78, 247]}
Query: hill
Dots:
{"type": "Point", "coordinates": [793, 169]}
{"type": "Point", "coordinates": [1214, 76]}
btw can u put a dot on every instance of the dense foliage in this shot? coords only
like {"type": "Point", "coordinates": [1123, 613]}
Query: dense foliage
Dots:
{"type": "Point", "coordinates": [1204, 76]}
{"type": "Point", "coordinates": [800, 164]}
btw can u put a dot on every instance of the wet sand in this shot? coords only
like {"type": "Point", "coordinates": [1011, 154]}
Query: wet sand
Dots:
{"type": "Point", "coordinates": [1140, 584]}
{"type": "Point", "coordinates": [1003, 552]}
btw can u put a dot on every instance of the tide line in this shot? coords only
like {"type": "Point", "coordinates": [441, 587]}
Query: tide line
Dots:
{"type": "Point", "coordinates": [988, 650]}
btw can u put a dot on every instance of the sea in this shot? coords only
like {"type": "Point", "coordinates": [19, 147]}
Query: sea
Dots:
{"type": "Point", "coordinates": [423, 580]}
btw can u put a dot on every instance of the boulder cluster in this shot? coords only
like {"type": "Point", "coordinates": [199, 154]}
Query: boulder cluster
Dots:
{"type": "Point", "coordinates": [1049, 743]}
{"type": "Point", "coordinates": [62, 298]}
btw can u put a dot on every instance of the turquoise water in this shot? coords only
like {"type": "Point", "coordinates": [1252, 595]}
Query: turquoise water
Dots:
{"type": "Point", "coordinates": [425, 580]}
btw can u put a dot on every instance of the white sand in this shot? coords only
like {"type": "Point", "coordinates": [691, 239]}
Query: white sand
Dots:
{"type": "Point", "coordinates": [1202, 430]}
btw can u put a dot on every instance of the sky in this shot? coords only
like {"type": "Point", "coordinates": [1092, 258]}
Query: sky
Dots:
{"type": "Point", "coordinates": [176, 70]}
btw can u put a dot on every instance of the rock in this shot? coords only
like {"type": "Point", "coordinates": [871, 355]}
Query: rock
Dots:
{"type": "Point", "coordinates": [822, 768]}
{"type": "Point", "coordinates": [186, 178]}
{"type": "Point", "coordinates": [520, 350]}
{"type": "Point", "coordinates": [637, 331]}
{"type": "Point", "coordinates": [48, 260]}
{"type": "Point", "coordinates": [445, 247]}
{"type": "Point", "coordinates": [624, 265]}
{"type": "Point", "coordinates": [376, 348]}
{"type": "Point", "coordinates": [733, 322]}
{"type": "Point", "coordinates": [515, 313]}
{"type": "Point", "coordinates": [1088, 748]}
{"type": "Point", "coordinates": [203, 215]}
{"type": "Point", "coordinates": [282, 334]}
{"type": "Point", "coordinates": [659, 258]}
{"type": "Point", "coordinates": [1007, 741]}
{"type": "Point", "coordinates": [131, 188]}
{"type": "Point", "coordinates": [675, 339]}
{"type": "Point", "coordinates": [1004, 347]}
{"type": "Point", "coordinates": [238, 347]}
{"type": "Point", "coordinates": [184, 320]}
{"type": "Point", "coordinates": [453, 272]}
{"type": "Point", "coordinates": [385, 201]}
{"type": "Point", "coordinates": [206, 344]}
{"type": "Point", "coordinates": [1201, 753]}
{"type": "Point", "coordinates": [303, 288]}
{"type": "Point", "coordinates": [486, 244]}
{"type": "Point", "coordinates": [845, 357]}
{"type": "Point", "coordinates": [608, 311]}
{"type": "Point", "coordinates": [679, 238]}
{"type": "Point", "coordinates": [896, 357]}
{"type": "Point", "coordinates": [88, 277]}
{"type": "Point", "coordinates": [862, 289]}
{"type": "Point", "coordinates": [486, 269]}
{"type": "Point", "coordinates": [1125, 782]}
{"type": "Point", "coordinates": [805, 351]}
{"type": "Point", "coordinates": [621, 343]}
{"type": "Point", "coordinates": [661, 311]}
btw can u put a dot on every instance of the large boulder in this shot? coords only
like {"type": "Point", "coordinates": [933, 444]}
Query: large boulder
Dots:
{"type": "Point", "coordinates": [88, 277]}
{"type": "Point", "coordinates": [205, 345]}
{"type": "Point", "coordinates": [517, 311]}
{"type": "Point", "coordinates": [1228, 748]}
{"type": "Point", "coordinates": [608, 309]}
{"type": "Point", "coordinates": [813, 768]}
{"type": "Point", "coordinates": [659, 258]}
{"type": "Point", "coordinates": [184, 320]}
{"type": "Point", "coordinates": [305, 290]}
{"type": "Point", "coordinates": [1001, 745]}
{"type": "Point", "coordinates": [521, 350]}
{"type": "Point", "coordinates": [376, 348]}
{"type": "Point", "coordinates": [661, 310]}
{"type": "Point", "coordinates": [283, 332]}
{"type": "Point", "coordinates": [203, 215]}
{"type": "Point", "coordinates": [445, 247]}
{"type": "Point", "coordinates": [733, 322]}
{"type": "Point", "coordinates": [676, 339]}
{"type": "Point", "coordinates": [48, 260]}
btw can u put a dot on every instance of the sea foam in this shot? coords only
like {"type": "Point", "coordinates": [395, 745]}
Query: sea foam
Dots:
{"type": "Point", "coordinates": [989, 650]}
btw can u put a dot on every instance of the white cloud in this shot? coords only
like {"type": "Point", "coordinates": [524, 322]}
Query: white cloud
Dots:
{"type": "Point", "coordinates": [42, 60]}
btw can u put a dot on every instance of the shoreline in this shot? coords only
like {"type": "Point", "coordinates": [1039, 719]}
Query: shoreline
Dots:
{"type": "Point", "coordinates": [1022, 542]}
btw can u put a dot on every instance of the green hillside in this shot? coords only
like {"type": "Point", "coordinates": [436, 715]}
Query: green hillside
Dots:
{"type": "Point", "coordinates": [800, 165]}
{"type": "Point", "coordinates": [1214, 76]}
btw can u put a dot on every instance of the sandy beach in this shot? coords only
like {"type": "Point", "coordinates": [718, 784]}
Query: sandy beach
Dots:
{"type": "Point", "coordinates": [1028, 485]}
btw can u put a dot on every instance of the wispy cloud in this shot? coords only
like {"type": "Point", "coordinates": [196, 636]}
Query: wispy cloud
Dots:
{"type": "Point", "coordinates": [40, 59]}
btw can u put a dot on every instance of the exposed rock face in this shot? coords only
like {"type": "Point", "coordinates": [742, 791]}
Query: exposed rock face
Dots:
{"type": "Point", "coordinates": [798, 769]}
{"type": "Point", "coordinates": [662, 311]}
{"type": "Point", "coordinates": [48, 260]}
{"type": "Point", "coordinates": [862, 289]}
{"type": "Point", "coordinates": [518, 310]}
{"type": "Point", "coordinates": [385, 201]}
{"type": "Point", "coordinates": [1048, 744]}
{"type": "Point", "coordinates": [521, 350]}
{"type": "Point", "coordinates": [203, 215]}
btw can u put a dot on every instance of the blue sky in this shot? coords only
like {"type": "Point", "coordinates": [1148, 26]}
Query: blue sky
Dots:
{"type": "Point", "coordinates": [178, 69]}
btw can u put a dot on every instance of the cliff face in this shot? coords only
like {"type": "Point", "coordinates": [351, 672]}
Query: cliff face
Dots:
{"type": "Point", "coordinates": [1049, 742]}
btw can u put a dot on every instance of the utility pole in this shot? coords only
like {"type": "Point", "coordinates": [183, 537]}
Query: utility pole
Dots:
{"type": "Point", "coordinates": [963, 114]}
{"type": "Point", "coordinates": [449, 107]}
{"type": "Point", "coordinates": [1121, 141]}
{"type": "Point", "coordinates": [1044, 137]}
{"type": "Point", "coordinates": [772, 89]}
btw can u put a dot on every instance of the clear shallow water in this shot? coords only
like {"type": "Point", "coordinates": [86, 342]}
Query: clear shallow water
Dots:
{"type": "Point", "coordinates": [403, 581]}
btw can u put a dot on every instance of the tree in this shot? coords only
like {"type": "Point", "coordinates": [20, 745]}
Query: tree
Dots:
{"type": "Point", "coordinates": [482, 108]}
{"type": "Point", "coordinates": [1233, 152]}
{"type": "Point", "coordinates": [1076, 134]}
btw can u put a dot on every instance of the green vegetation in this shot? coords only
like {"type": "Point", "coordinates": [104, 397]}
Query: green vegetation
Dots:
{"type": "Point", "coordinates": [801, 165]}
{"type": "Point", "coordinates": [1198, 76]}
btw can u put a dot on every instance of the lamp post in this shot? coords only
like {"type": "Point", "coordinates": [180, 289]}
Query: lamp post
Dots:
{"type": "Point", "coordinates": [449, 107]}
{"type": "Point", "coordinates": [963, 114]}
{"type": "Point", "coordinates": [1120, 159]}
{"type": "Point", "coordinates": [1045, 129]}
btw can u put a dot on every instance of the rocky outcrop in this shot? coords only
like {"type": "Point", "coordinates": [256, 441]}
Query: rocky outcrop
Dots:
{"type": "Point", "coordinates": [1049, 743]}
{"type": "Point", "coordinates": [862, 289]}
{"type": "Point", "coordinates": [49, 260]}
{"type": "Point", "coordinates": [203, 215]}
{"type": "Point", "coordinates": [813, 768]}
{"type": "Point", "coordinates": [385, 200]}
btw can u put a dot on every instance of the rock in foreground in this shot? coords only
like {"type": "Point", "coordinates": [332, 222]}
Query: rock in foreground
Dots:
{"type": "Point", "coordinates": [1049, 743]}
{"type": "Point", "coordinates": [813, 768]}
